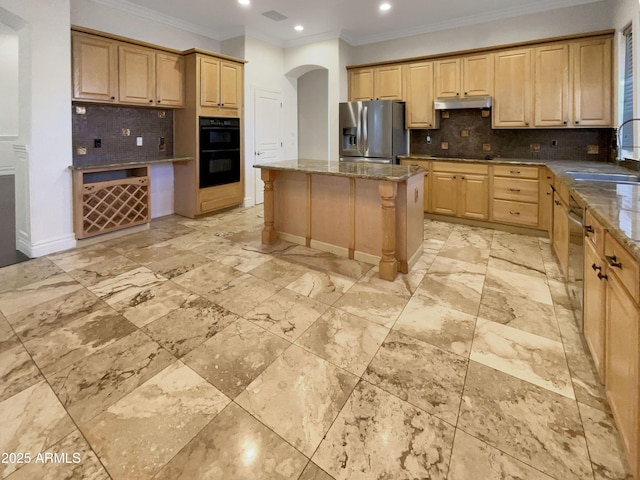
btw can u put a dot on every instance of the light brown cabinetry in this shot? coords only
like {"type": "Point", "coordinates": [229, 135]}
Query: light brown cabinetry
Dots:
{"type": "Point", "coordinates": [467, 76]}
{"type": "Point", "coordinates": [592, 84]}
{"type": "Point", "coordinates": [515, 195]}
{"type": "Point", "coordinates": [110, 71]}
{"type": "Point", "coordinates": [460, 190]}
{"type": "Point", "coordinates": [546, 201]}
{"type": "Point", "coordinates": [561, 232]}
{"type": "Point", "coordinates": [136, 75]}
{"type": "Point", "coordinates": [551, 85]}
{"type": "Point", "coordinates": [622, 347]}
{"type": "Point", "coordinates": [210, 82]}
{"type": "Point", "coordinates": [426, 165]}
{"type": "Point", "coordinates": [419, 95]}
{"type": "Point", "coordinates": [95, 68]}
{"type": "Point", "coordinates": [376, 83]}
{"type": "Point", "coordinates": [220, 85]}
{"type": "Point", "coordinates": [512, 89]}
{"type": "Point", "coordinates": [595, 276]}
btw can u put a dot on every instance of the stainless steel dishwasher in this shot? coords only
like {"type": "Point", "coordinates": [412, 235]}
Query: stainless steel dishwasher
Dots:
{"type": "Point", "coordinates": [575, 275]}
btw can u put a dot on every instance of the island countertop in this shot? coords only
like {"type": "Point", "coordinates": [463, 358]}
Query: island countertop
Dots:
{"type": "Point", "coordinates": [366, 170]}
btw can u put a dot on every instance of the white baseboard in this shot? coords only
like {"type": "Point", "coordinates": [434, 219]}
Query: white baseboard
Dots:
{"type": "Point", "coordinates": [7, 170]}
{"type": "Point", "coordinates": [39, 249]}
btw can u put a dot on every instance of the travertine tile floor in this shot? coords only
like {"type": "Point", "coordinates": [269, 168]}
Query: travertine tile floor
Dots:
{"type": "Point", "coordinates": [190, 351]}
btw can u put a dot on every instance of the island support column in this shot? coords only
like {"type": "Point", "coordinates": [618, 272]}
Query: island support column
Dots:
{"type": "Point", "coordinates": [388, 263]}
{"type": "Point", "coordinates": [269, 234]}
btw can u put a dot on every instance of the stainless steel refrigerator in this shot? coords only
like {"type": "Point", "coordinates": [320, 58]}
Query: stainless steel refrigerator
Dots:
{"type": "Point", "coordinates": [372, 131]}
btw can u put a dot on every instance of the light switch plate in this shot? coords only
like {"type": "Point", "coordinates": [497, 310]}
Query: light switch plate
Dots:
{"type": "Point", "coordinates": [139, 141]}
{"type": "Point", "coordinates": [593, 149]}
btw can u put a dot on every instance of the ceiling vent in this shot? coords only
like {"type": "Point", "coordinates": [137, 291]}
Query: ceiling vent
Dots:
{"type": "Point", "coordinates": [275, 16]}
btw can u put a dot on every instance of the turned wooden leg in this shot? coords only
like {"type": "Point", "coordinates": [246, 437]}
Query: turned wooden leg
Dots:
{"type": "Point", "coordinates": [269, 234]}
{"type": "Point", "coordinates": [388, 262]}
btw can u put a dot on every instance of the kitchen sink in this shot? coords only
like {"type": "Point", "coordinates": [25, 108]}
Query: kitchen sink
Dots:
{"type": "Point", "coordinates": [605, 177]}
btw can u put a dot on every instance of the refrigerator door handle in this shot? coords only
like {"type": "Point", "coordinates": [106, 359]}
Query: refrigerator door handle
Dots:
{"type": "Point", "coordinates": [365, 130]}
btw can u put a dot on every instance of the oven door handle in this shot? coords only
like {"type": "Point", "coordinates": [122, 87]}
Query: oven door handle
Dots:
{"type": "Point", "coordinates": [575, 220]}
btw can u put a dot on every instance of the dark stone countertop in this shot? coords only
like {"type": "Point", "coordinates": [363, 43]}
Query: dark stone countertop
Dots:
{"type": "Point", "coordinates": [129, 163]}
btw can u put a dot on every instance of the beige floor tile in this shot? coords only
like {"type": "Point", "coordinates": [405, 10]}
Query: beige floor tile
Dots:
{"type": "Point", "coordinates": [139, 434]}
{"type": "Point", "coordinates": [372, 304]}
{"type": "Point", "coordinates": [177, 265]}
{"type": "Point", "coordinates": [378, 435]}
{"type": "Point", "coordinates": [17, 371]}
{"type": "Point", "coordinates": [325, 287]}
{"type": "Point", "coordinates": [421, 374]}
{"type": "Point", "coordinates": [472, 459]}
{"type": "Point", "coordinates": [17, 276]}
{"type": "Point", "coordinates": [343, 339]}
{"type": "Point", "coordinates": [527, 286]}
{"type": "Point", "coordinates": [33, 294]}
{"type": "Point", "coordinates": [235, 446]}
{"type": "Point", "coordinates": [280, 272]}
{"type": "Point", "coordinates": [31, 422]}
{"type": "Point", "coordinates": [524, 355]}
{"type": "Point", "coordinates": [525, 421]}
{"type": "Point", "coordinates": [286, 314]}
{"type": "Point", "coordinates": [298, 396]}
{"type": "Point", "coordinates": [233, 358]}
{"type": "Point", "coordinates": [314, 472]}
{"type": "Point", "coordinates": [456, 291]}
{"type": "Point", "coordinates": [97, 272]}
{"type": "Point", "coordinates": [126, 286]}
{"type": "Point", "coordinates": [83, 257]}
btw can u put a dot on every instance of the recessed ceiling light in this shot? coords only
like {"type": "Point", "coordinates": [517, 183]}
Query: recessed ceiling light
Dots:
{"type": "Point", "coordinates": [385, 6]}
{"type": "Point", "coordinates": [299, 28]}
{"type": "Point", "coordinates": [244, 2]}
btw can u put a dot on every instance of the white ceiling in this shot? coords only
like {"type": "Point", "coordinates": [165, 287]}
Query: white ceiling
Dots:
{"type": "Point", "coordinates": [356, 21]}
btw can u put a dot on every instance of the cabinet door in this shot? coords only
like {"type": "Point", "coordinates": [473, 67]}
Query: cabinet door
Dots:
{"type": "Point", "coordinates": [512, 89]}
{"type": "Point", "coordinates": [477, 75]}
{"type": "Point", "coordinates": [546, 202]}
{"type": "Point", "coordinates": [419, 106]}
{"type": "Point", "coordinates": [95, 68]}
{"type": "Point", "coordinates": [447, 74]}
{"type": "Point", "coordinates": [444, 193]}
{"type": "Point", "coordinates": [551, 85]}
{"type": "Point", "coordinates": [594, 306]}
{"type": "Point", "coordinates": [209, 82]}
{"type": "Point", "coordinates": [230, 85]}
{"type": "Point", "coordinates": [474, 196]}
{"type": "Point", "coordinates": [169, 80]}
{"type": "Point", "coordinates": [621, 365]}
{"type": "Point", "coordinates": [136, 74]}
{"type": "Point", "coordinates": [361, 84]}
{"type": "Point", "coordinates": [592, 82]}
{"type": "Point", "coordinates": [561, 233]}
{"type": "Point", "coordinates": [388, 83]}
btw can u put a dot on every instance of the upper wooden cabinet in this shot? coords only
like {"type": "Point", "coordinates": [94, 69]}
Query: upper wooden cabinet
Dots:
{"type": "Point", "coordinates": [220, 84]}
{"type": "Point", "coordinates": [379, 83]}
{"type": "Point", "coordinates": [419, 95]}
{"type": "Point", "coordinates": [95, 68]}
{"type": "Point", "coordinates": [551, 86]}
{"type": "Point", "coordinates": [512, 89]}
{"type": "Point", "coordinates": [107, 70]}
{"type": "Point", "coordinates": [592, 82]}
{"type": "Point", "coordinates": [136, 74]}
{"type": "Point", "coordinates": [572, 82]}
{"type": "Point", "coordinates": [468, 76]}
{"type": "Point", "coordinates": [169, 80]}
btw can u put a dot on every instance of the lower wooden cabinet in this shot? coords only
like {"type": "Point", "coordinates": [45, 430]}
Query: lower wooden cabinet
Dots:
{"type": "Point", "coordinates": [595, 276]}
{"type": "Point", "coordinates": [561, 233]}
{"type": "Point", "coordinates": [622, 364]}
{"type": "Point", "coordinates": [460, 190]}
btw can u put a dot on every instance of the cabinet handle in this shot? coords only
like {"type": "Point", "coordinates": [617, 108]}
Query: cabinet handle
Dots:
{"type": "Point", "coordinates": [526, 124]}
{"type": "Point", "coordinates": [465, 93]}
{"type": "Point", "coordinates": [113, 98]}
{"type": "Point", "coordinates": [548, 193]}
{"type": "Point", "coordinates": [150, 101]}
{"type": "Point", "coordinates": [514, 213]}
{"type": "Point", "coordinates": [556, 202]}
{"type": "Point", "coordinates": [613, 261]}
{"type": "Point", "coordinates": [515, 190]}
{"type": "Point", "coordinates": [462, 178]}
{"type": "Point", "coordinates": [514, 172]}
{"type": "Point", "coordinates": [457, 94]}
{"type": "Point", "coordinates": [596, 267]}
{"type": "Point", "coordinates": [565, 122]}
{"type": "Point", "coordinates": [588, 229]}
{"type": "Point", "coordinates": [577, 122]}
{"type": "Point", "coordinates": [159, 101]}
{"type": "Point", "coordinates": [602, 276]}
{"type": "Point", "coordinates": [455, 176]}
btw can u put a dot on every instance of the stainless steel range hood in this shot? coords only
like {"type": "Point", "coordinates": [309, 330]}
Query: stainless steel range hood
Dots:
{"type": "Point", "coordinates": [456, 103]}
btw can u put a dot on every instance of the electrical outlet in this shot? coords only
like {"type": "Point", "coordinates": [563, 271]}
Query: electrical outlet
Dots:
{"type": "Point", "coordinates": [97, 143]}
{"type": "Point", "coordinates": [534, 147]}
{"type": "Point", "coordinates": [162, 146]}
{"type": "Point", "coordinates": [428, 139]}
{"type": "Point", "coordinates": [126, 132]}
{"type": "Point", "coordinates": [445, 114]}
{"type": "Point", "coordinates": [444, 145]}
{"type": "Point", "coordinates": [593, 149]}
{"type": "Point", "coordinates": [80, 110]}
{"type": "Point", "coordinates": [162, 114]}
{"type": "Point", "coordinates": [81, 151]}
{"type": "Point", "coordinates": [554, 143]}
{"type": "Point", "coordinates": [139, 141]}
{"type": "Point", "coordinates": [486, 147]}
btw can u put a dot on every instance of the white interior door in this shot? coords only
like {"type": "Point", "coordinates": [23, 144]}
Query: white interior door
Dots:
{"type": "Point", "coordinates": [268, 144]}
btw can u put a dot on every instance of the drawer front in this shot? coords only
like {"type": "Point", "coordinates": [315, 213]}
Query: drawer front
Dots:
{"type": "Point", "coordinates": [455, 167]}
{"type": "Point", "coordinates": [594, 233]}
{"type": "Point", "coordinates": [516, 171]}
{"type": "Point", "coordinates": [518, 213]}
{"type": "Point", "coordinates": [518, 189]}
{"type": "Point", "coordinates": [420, 163]}
{"type": "Point", "coordinates": [623, 265]}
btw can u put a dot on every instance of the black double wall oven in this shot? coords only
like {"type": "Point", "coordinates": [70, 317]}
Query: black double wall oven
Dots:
{"type": "Point", "coordinates": [219, 151]}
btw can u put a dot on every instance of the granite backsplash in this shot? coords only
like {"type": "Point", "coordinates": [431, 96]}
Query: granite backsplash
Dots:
{"type": "Point", "coordinates": [467, 133]}
{"type": "Point", "coordinates": [115, 129]}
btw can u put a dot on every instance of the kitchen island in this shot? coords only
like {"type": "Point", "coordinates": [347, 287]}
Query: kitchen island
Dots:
{"type": "Point", "coordinates": [364, 211]}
